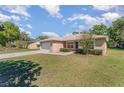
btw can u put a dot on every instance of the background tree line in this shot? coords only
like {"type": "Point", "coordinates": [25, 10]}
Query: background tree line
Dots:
{"type": "Point", "coordinates": [11, 36]}
{"type": "Point", "coordinates": [115, 32]}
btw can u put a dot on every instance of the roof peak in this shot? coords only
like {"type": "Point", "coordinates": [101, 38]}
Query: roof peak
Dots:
{"type": "Point", "coordinates": [73, 37]}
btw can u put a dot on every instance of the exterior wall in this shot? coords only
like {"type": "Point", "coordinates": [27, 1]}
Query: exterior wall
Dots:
{"type": "Point", "coordinates": [33, 46]}
{"type": "Point", "coordinates": [52, 46]}
{"type": "Point", "coordinates": [101, 44]}
{"type": "Point", "coordinates": [56, 46]}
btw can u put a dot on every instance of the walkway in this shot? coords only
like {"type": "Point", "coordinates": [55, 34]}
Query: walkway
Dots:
{"type": "Point", "coordinates": [17, 54]}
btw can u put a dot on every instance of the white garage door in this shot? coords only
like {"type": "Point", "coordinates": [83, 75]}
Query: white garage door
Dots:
{"type": "Point", "coordinates": [46, 46]}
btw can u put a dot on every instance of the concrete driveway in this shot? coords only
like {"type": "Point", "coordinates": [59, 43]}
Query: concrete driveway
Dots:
{"type": "Point", "coordinates": [17, 54]}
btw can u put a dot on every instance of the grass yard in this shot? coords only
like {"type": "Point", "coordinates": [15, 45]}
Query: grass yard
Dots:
{"type": "Point", "coordinates": [79, 70]}
{"type": "Point", "coordinates": [12, 50]}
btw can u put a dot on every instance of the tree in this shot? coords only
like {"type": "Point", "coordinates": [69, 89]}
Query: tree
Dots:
{"type": "Point", "coordinates": [74, 33]}
{"type": "Point", "coordinates": [41, 37]}
{"type": "Point", "coordinates": [86, 42]}
{"type": "Point", "coordinates": [24, 36]}
{"type": "Point", "coordinates": [99, 29]}
{"type": "Point", "coordinates": [116, 33]}
{"type": "Point", "coordinates": [9, 32]}
{"type": "Point", "coordinates": [83, 32]}
{"type": "Point", "coordinates": [24, 40]}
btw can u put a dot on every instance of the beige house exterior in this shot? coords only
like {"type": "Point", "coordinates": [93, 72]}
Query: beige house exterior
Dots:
{"type": "Point", "coordinates": [34, 45]}
{"type": "Point", "coordinates": [72, 42]}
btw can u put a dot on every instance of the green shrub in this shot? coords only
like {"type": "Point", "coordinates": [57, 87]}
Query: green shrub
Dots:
{"type": "Point", "coordinates": [95, 51]}
{"type": "Point", "coordinates": [90, 51]}
{"type": "Point", "coordinates": [81, 51]}
{"type": "Point", "coordinates": [64, 50]}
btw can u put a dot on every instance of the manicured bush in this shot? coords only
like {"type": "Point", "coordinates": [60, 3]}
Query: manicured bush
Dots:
{"type": "Point", "coordinates": [64, 50]}
{"type": "Point", "coordinates": [81, 51]}
{"type": "Point", "coordinates": [95, 51]}
{"type": "Point", "coordinates": [90, 51]}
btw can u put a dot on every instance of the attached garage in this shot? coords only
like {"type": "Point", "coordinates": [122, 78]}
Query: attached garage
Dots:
{"type": "Point", "coordinates": [51, 44]}
{"type": "Point", "coordinates": [46, 46]}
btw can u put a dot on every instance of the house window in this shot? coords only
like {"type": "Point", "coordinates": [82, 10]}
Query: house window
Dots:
{"type": "Point", "coordinates": [70, 45]}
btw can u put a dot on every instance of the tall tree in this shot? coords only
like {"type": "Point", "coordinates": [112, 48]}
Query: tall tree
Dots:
{"type": "Point", "coordinates": [99, 29]}
{"type": "Point", "coordinates": [24, 36]}
{"type": "Point", "coordinates": [74, 33]}
{"type": "Point", "coordinates": [86, 42]}
{"type": "Point", "coordinates": [115, 32]}
{"type": "Point", "coordinates": [41, 37]}
{"type": "Point", "coordinates": [24, 40]}
{"type": "Point", "coordinates": [8, 32]}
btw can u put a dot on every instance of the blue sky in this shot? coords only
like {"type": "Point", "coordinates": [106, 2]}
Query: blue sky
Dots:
{"type": "Point", "coordinates": [59, 20]}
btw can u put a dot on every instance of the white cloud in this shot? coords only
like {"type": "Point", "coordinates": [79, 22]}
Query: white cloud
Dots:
{"type": "Point", "coordinates": [83, 28]}
{"type": "Point", "coordinates": [4, 17]}
{"type": "Point", "coordinates": [16, 18]}
{"type": "Point", "coordinates": [29, 26]}
{"type": "Point", "coordinates": [19, 9]}
{"type": "Point", "coordinates": [88, 19]}
{"type": "Point", "coordinates": [53, 10]}
{"type": "Point", "coordinates": [50, 34]}
{"type": "Point", "coordinates": [84, 9]}
{"type": "Point", "coordinates": [111, 16]}
{"type": "Point", "coordinates": [68, 34]}
{"type": "Point", "coordinates": [29, 33]}
{"type": "Point", "coordinates": [21, 29]}
{"type": "Point", "coordinates": [104, 7]}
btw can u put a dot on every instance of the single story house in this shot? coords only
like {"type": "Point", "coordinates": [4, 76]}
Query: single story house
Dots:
{"type": "Point", "coordinates": [34, 45]}
{"type": "Point", "coordinates": [72, 42]}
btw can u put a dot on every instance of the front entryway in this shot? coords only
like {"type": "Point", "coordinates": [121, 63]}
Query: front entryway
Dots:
{"type": "Point", "coordinates": [76, 45]}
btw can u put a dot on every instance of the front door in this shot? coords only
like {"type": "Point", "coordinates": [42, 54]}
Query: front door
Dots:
{"type": "Point", "coordinates": [76, 45]}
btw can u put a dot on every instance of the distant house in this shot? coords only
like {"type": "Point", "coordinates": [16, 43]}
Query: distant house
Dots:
{"type": "Point", "coordinates": [72, 42]}
{"type": "Point", "coordinates": [34, 45]}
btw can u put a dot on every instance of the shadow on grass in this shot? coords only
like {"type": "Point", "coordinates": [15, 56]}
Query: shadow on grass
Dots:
{"type": "Point", "coordinates": [18, 73]}
{"type": "Point", "coordinates": [117, 49]}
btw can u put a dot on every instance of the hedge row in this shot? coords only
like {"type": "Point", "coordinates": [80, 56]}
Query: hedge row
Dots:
{"type": "Point", "coordinates": [84, 51]}
{"type": "Point", "coordinates": [64, 50]}
{"type": "Point", "coordinates": [90, 51]}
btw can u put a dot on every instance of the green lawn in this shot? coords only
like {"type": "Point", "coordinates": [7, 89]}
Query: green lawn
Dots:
{"type": "Point", "coordinates": [80, 70]}
{"type": "Point", "coordinates": [12, 50]}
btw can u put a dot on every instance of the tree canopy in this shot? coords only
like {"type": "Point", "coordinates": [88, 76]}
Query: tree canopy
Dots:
{"type": "Point", "coordinates": [116, 32]}
{"type": "Point", "coordinates": [41, 37]}
{"type": "Point", "coordinates": [99, 29]}
{"type": "Point", "coordinates": [8, 32]}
